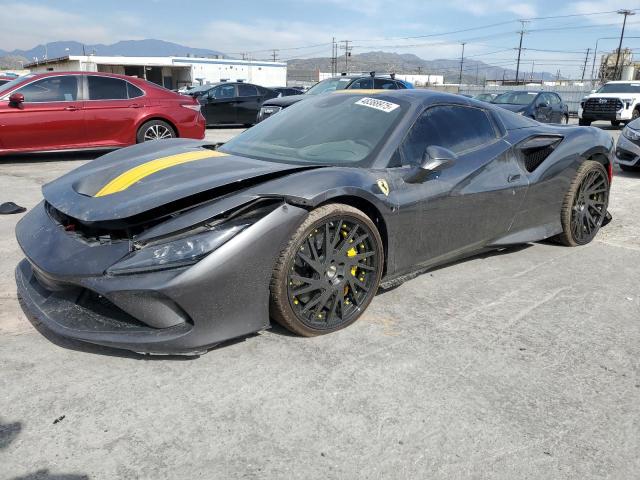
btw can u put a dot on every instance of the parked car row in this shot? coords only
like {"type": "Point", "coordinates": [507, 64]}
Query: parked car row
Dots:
{"type": "Point", "coordinates": [343, 82]}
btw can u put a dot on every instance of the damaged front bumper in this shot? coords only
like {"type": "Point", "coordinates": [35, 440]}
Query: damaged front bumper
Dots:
{"type": "Point", "coordinates": [185, 310]}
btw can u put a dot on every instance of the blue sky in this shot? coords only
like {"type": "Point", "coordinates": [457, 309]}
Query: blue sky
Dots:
{"type": "Point", "coordinates": [257, 26]}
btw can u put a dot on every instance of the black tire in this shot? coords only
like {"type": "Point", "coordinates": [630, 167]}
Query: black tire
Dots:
{"type": "Point", "coordinates": [629, 168]}
{"type": "Point", "coordinates": [635, 114]}
{"type": "Point", "coordinates": [155, 128]}
{"type": "Point", "coordinates": [584, 123]}
{"type": "Point", "coordinates": [339, 285]}
{"type": "Point", "coordinates": [615, 123]}
{"type": "Point", "coordinates": [585, 205]}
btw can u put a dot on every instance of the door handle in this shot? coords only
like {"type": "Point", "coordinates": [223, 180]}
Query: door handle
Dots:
{"type": "Point", "coordinates": [135, 105]}
{"type": "Point", "coordinates": [71, 108]}
{"type": "Point", "coordinates": [513, 178]}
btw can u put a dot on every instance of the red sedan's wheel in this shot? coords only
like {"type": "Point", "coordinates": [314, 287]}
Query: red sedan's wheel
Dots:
{"type": "Point", "coordinates": [155, 130]}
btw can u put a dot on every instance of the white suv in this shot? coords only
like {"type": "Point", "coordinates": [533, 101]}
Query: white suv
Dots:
{"type": "Point", "coordinates": [614, 101]}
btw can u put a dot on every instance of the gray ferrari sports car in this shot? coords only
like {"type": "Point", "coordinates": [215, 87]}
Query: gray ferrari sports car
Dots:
{"type": "Point", "coordinates": [174, 246]}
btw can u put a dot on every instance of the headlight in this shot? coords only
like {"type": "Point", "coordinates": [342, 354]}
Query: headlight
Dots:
{"type": "Point", "coordinates": [521, 112]}
{"type": "Point", "coordinates": [177, 253]}
{"type": "Point", "coordinates": [631, 134]}
{"type": "Point", "coordinates": [268, 111]}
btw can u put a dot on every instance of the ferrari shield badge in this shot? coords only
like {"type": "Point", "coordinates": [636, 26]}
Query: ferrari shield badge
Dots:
{"type": "Point", "coordinates": [383, 186]}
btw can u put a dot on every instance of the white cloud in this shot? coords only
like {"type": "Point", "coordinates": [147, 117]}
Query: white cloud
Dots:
{"type": "Point", "coordinates": [39, 24]}
{"type": "Point", "coordinates": [490, 7]}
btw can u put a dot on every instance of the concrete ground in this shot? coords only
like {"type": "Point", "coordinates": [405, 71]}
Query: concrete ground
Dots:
{"type": "Point", "coordinates": [517, 365]}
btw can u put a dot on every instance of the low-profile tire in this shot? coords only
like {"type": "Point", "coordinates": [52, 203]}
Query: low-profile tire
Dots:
{"type": "Point", "coordinates": [584, 123]}
{"type": "Point", "coordinates": [585, 205]}
{"type": "Point", "coordinates": [328, 273]}
{"type": "Point", "coordinates": [629, 168]}
{"type": "Point", "coordinates": [155, 130]}
{"type": "Point", "coordinates": [615, 123]}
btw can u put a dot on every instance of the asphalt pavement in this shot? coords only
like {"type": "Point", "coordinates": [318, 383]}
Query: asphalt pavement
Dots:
{"type": "Point", "coordinates": [523, 364]}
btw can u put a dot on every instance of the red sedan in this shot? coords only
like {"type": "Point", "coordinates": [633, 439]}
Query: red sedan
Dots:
{"type": "Point", "coordinates": [86, 110]}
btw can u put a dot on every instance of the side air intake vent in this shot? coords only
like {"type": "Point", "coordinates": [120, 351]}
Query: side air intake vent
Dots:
{"type": "Point", "coordinates": [535, 150]}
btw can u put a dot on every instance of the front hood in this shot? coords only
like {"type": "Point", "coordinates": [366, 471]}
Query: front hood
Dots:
{"type": "Point", "coordinates": [284, 102]}
{"type": "Point", "coordinates": [149, 176]}
{"type": "Point", "coordinates": [612, 95]}
{"type": "Point", "coordinates": [511, 107]}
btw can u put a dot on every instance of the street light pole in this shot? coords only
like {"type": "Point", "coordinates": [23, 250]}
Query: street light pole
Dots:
{"type": "Point", "coordinates": [626, 13]}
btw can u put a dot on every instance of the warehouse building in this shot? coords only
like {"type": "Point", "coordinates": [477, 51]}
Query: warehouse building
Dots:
{"type": "Point", "coordinates": [172, 72]}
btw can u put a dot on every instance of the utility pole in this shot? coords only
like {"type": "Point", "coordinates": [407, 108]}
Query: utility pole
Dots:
{"type": "Point", "coordinates": [476, 74]}
{"type": "Point", "coordinates": [626, 13]}
{"type": "Point", "coordinates": [584, 67]}
{"type": "Point", "coordinates": [522, 32]}
{"type": "Point", "coordinates": [274, 55]}
{"type": "Point", "coordinates": [347, 53]}
{"type": "Point", "coordinates": [419, 70]}
{"type": "Point", "coordinates": [334, 57]}
{"type": "Point", "coordinates": [533, 63]}
{"type": "Point", "coordinates": [461, 64]}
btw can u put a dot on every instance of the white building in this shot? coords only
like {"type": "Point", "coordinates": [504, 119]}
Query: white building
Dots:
{"type": "Point", "coordinates": [172, 72]}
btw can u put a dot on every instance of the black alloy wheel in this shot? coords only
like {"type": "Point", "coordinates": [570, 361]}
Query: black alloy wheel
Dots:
{"type": "Point", "coordinates": [328, 273]}
{"type": "Point", "coordinates": [585, 205]}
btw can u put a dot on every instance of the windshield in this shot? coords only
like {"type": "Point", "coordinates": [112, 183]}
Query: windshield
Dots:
{"type": "Point", "coordinates": [620, 88]}
{"type": "Point", "coordinates": [338, 129]}
{"type": "Point", "coordinates": [329, 85]}
{"type": "Point", "coordinates": [515, 98]}
{"type": "Point", "coordinates": [8, 86]}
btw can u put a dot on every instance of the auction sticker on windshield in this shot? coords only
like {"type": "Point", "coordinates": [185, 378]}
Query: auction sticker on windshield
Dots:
{"type": "Point", "coordinates": [377, 104]}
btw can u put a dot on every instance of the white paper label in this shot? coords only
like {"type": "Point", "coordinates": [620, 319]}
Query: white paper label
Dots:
{"type": "Point", "coordinates": [381, 105]}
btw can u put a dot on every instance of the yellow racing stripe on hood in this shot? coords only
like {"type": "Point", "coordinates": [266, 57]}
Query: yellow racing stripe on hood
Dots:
{"type": "Point", "coordinates": [128, 178]}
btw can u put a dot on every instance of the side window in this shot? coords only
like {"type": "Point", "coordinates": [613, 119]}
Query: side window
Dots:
{"type": "Point", "coordinates": [543, 98]}
{"type": "Point", "coordinates": [107, 88]}
{"type": "Point", "coordinates": [362, 83]}
{"type": "Point", "coordinates": [401, 85]}
{"type": "Point", "coordinates": [51, 89]}
{"type": "Point", "coordinates": [245, 90]}
{"type": "Point", "coordinates": [225, 91]}
{"type": "Point", "coordinates": [384, 83]}
{"type": "Point", "coordinates": [457, 128]}
{"type": "Point", "coordinates": [133, 91]}
{"type": "Point", "coordinates": [555, 99]}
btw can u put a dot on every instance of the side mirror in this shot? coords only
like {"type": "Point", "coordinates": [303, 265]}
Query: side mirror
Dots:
{"type": "Point", "coordinates": [434, 159]}
{"type": "Point", "coordinates": [543, 105]}
{"type": "Point", "coordinates": [16, 99]}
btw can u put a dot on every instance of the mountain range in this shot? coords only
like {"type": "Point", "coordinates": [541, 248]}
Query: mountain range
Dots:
{"type": "Point", "coordinates": [381, 61]}
{"type": "Point", "coordinates": [411, 64]}
{"type": "Point", "coordinates": [132, 48]}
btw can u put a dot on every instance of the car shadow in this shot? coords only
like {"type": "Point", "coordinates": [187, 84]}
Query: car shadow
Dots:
{"type": "Point", "coordinates": [91, 348]}
{"type": "Point", "coordinates": [481, 256]}
{"type": "Point", "coordinates": [8, 433]}
{"type": "Point", "coordinates": [52, 157]}
{"type": "Point", "coordinates": [275, 328]}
